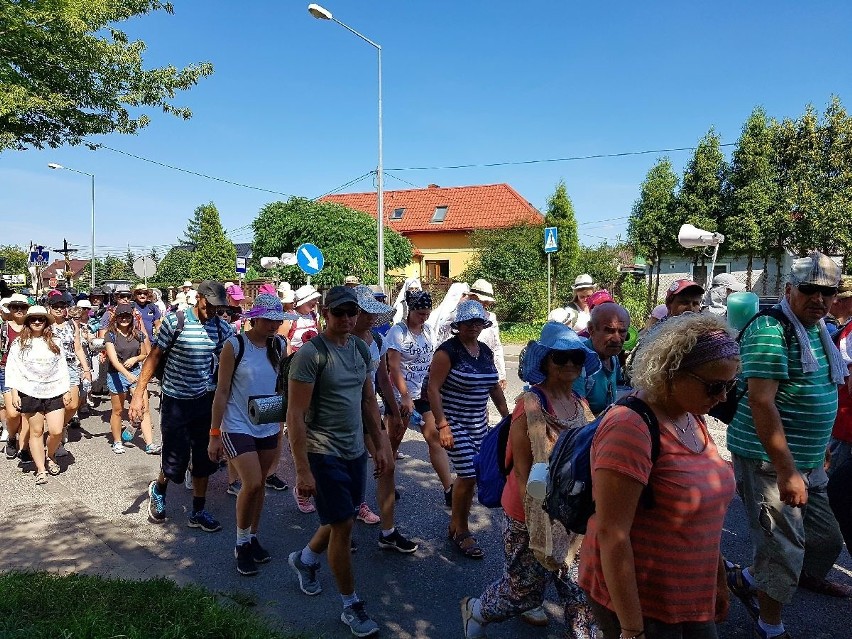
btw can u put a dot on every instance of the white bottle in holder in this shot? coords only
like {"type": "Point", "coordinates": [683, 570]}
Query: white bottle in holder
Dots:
{"type": "Point", "coordinates": [537, 481]}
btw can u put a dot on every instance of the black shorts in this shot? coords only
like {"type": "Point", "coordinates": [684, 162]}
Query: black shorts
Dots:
{"type": "Point", "coordinates": [340, 486]}
{"type": "Point", "coordinates": [30, 405]}
{"type": "Point", "coordinates": [237, 444]}
{"type": "Point", "coordinates": [185, 425]}
{"type": "Point", "coordinates": [421, 405]}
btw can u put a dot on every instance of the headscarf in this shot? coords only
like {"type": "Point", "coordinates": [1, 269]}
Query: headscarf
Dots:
{"type": "Point", "coordinates": [441, 318]}
{"type": "Point", "coordinates": [399, 305]}
{"type": "Point", "coordinates": [418, 300]}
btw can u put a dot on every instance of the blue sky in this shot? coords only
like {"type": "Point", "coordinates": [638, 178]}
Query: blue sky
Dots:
{"type": "Point", "coordinates": [291, 106]}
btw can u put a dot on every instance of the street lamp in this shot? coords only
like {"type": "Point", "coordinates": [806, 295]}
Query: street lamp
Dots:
{"type": "Point", "coordinates": [322, 13]}
{"type": "Point", "coordinates": [53, 165]}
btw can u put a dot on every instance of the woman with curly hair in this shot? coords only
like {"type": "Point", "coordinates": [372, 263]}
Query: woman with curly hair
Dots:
{"type": "Point", "coordinates": [658, 572]}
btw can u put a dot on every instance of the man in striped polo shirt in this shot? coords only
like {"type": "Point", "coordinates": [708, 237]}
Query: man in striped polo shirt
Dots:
{"type": "Point", "coordinates": [188, 385]}
{"type": "Point", "coordinates": [778, 438]}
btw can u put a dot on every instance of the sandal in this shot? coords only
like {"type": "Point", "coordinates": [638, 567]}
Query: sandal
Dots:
{"type": "Point", "coordinates": [52, 467]}
{"type": "Point", "coordinates": [740, 588]}
{"type": "Point", "coordinates": [41, 478]}
{"type": "Point", "coordinates": [467, 545]}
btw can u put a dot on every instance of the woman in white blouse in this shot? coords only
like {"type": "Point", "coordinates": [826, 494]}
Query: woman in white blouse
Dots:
{"type": "Point", "coordinates": [37, 373]}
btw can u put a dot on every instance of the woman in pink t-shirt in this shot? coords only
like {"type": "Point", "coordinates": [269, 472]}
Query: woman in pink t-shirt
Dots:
{"type": "Point", "coordinates": [653, 572]}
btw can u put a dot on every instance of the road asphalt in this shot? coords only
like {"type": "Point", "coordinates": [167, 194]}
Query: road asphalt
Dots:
{"type": "Point", "coordinates": [92, 518]}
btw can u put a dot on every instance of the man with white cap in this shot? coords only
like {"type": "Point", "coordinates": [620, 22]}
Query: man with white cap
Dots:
{"type": "Point", "coordinates": [778, 437]}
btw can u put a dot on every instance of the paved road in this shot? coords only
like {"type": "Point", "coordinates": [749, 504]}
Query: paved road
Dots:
{"type": "Point", "coordinates": [92, 518]}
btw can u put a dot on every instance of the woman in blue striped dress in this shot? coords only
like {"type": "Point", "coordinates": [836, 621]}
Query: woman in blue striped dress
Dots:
{"type": "Point", "coordinates": [462, 376]}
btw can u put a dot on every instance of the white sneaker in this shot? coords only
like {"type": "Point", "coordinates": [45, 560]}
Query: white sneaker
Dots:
{"type": "Point", "coordinates": [187, 479]}
{"type": "Point", "coordinates": [60, 451]}
{"type": "Point", "coordinates": [118, 448]}
{"type": "Point", "coordinates": [4, 435]}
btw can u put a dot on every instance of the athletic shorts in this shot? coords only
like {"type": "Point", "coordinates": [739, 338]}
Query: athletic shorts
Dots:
{"type": "Point", "coordinates": [117, 383]}
{"type": "Point", "coordinates": [422, 406]}
{"type": "Point", "coordinates": [31, 405]}
{"type": "Point", "coordinates": [185, 425]}
{"type": "Point", "coordinates": [237, 444]}
{"type": "Point", "coordinates": [340, 486]}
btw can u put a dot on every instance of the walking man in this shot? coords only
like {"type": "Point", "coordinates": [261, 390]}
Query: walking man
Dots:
{"type": "Point", "coordinates": [330, 401]}
{"type": "Point", "coordinates": [607, 328]}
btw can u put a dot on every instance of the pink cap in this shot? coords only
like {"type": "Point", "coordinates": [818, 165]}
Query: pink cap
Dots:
{"type": "Point", "coordinates": [268, 288]}
{"type": "Point", "coordinates": [235, 292]}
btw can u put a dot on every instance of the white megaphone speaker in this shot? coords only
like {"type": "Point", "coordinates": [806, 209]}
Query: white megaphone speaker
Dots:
{"type": "Point", "coordinates": [692, 237]}
{"type": "Point", "coordinates": [270, 262]}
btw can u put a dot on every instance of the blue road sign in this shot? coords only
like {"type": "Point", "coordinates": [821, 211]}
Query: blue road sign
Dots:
{"type": "Point", "coordinates": [551, 239]}
{"type": "Point", "coordinates": [39, 257]}
{"type": "Point", "coordinates": [310, 259]}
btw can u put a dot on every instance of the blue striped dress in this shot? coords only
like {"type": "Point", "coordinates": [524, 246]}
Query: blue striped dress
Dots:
{"type": "Point", "coordinates": [464, 397]}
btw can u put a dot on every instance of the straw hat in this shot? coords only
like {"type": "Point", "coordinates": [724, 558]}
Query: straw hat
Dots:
{"type": "Point", "coordinates": [483, 290]}
{"type": "Point", "coordinates": [39, 311]}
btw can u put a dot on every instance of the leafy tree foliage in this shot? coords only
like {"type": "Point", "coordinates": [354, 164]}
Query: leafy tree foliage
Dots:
{"type": "Point", "coordinates": [214, 257]}
{"type": "Point", "coordinates": [560, 213]}
{"type": "Point", "coordinates": [346, 237]}
{"type": "Point", "coordinates": [699, 200]}
{"type": "Point", "coordinates": [174, 268]}
{"type": "Point", "coordinates": [16, 259]}
{"type": "Point", "coordinates": [193, 228]}
{"type": "Point", "coordinates": [66, 72]}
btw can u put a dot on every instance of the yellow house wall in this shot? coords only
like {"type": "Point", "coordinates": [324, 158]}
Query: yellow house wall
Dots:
{"type": "Point", "coordinates": [451, 246]}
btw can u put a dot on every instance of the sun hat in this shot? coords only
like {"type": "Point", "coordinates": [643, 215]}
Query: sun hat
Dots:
{"type": "Point", "coordinates": [3, 306]}
{"type": "Point", "coordinates": [468, 311]}
{"type": "Point", "coordinates": [266, 306]}
{"type": "Point", "coordinates": [339, 295]}
{"type": "Point", "coordinates": [140, 287]}
{"type": "Point", "coordinates": [369, 304]}
{"type": "Point", "coordinates": [307, 293]}
{"type": "Point", "coordinates": [680, 286]}
{"type": "Point", "coordinates": [844, 290]}
{"type": "Point", "coordinates": [17, 298]}
{"type": "Point", "coordinates": [84, 304]}
{"type": "Point", "coordinates": [583, 281]}
{"type": "Point", "coordinates": [284, 286]}
{"type": "Point", "coordinates": [728, 281]}
{"type": "Point", "coordinates": [38, 311]}
{"type": "Point", "coordinates": [483, 290]}
{"type": "Point", "coordinates": [213, 292]}
{"type": "Point", "coordinates": [123, 309]}
{"type": "Point", "coordinates": [186, 284]}
{"type": "Point", "coordinates": [554, 337]}
{"type": "Point", "coordinates": [235, 292]}
{"type": "Point", "coordinates": [228, 285]}
{"type": "Point", "coordinates": [351, 280]}
{"type": "Point", "coordinates": [378, 292]}
{"type": "Point", "coordinates": [816, 268]}
{"type": "Point", "coordinates": [563, 315]}
{"type": "Point", "coordinates": [121, 288]}
{"type": "Point", "coordinates": [288, 297]}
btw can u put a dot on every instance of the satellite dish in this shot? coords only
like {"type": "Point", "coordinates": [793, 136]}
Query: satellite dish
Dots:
{"type": "Point", "coordinates": [144, 267]}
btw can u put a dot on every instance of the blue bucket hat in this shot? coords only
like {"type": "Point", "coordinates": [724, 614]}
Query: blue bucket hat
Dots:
{"type": "Point", "coordinates": [555, 336]}
{"type": "Point", "coordinates": [266, 306]}
{"type": "Point", "coordinates": [470, 310]}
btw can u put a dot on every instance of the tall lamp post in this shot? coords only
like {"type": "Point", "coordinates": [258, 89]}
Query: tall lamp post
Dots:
{"type": "Point", "coordinates": [324, 14]}
{"type": "Point", "coordinates": [53, 165]}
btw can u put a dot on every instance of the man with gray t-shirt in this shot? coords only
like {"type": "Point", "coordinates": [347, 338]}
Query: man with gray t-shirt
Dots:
{"type": "Point", "coordinates": [330, 401]}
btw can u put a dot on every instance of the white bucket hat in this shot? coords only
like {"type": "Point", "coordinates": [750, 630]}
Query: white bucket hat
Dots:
{"type": "Point", "coordinates": [305, 294]}
{"type": "Point", "coordinates": [483, 290]}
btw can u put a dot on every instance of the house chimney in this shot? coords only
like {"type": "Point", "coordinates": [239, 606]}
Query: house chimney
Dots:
{"type": "Point", "coordinates": [433, 186]}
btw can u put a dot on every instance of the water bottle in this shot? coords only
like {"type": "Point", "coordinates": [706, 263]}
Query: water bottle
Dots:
{"type": "Point", "coordinates": [416, 419]}
{"type": "Point", "coordinates": [537, 481]}
{"type": "Point", "coordinates": [742, 306]}
{"type": "Point", "coordinates": [86, 386]}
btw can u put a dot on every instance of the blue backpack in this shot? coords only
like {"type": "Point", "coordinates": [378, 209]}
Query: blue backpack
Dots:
{"type": "Point", "coordinates": [490, 462]}
{"type": "Point", "coordinates": [569, 476]}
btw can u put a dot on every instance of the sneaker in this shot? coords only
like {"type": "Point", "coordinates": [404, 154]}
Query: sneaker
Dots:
{"type": "Point", "coordinates": [12, 448]}
{"type": "Point", "coordinates": [187, 479]}
{"type": "Point", "coordinates": [467, 617]}
{"type": "Point", "coordinates": [535, 617]}
{"type": "Point", "coordinates": [355, 616]}
{"type": "Point", "coordinates": [760, 633]}
{"type": "Point", "coordinates": [741, 590]}
{"type": "Point", "coordinates": [204, 520]}
{"type": "Point", "coordinates": [74, 422]}
{"type": "Point", "coordinates": [126, 435]}
{"type": "Point", "coordinates": [156, 504]}
{"type": "Point", "coordinates": [259, 553]}
{"type": "Point", "coordinates": [395, 541]}
{"type": "Point", "coordinates": [245, 562]}
{"type": "Point", "coordinates": [52, 467]}
{"type": "Point", "coordinates": [41, 479]}
{"type": "Point", "coordinates": [448, 497]}
{"type": "Point", "coordinates": [307, 574]}
{"type": "Point", "coordinates": [4, 435]}
{"type": "Point", "coordinates": [367, 516]}
{"type": "Point", "coordinates": [118, 448]}
{"type": "Point", "coordinates": [61, 451]}
{"type": "Point", "coordinates": [25, 456]}
{"type": "Point", "coordinates": [304, 504]}
{"type": "Point", "coordinates": [153, 449]}
{"type": "Point", "coordinates": [275, 483]}
{"type": "Point", "coordinates": [234, 487]}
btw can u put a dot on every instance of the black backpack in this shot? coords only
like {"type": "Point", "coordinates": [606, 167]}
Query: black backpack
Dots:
{"type": "Point", "coordinates": [725, 411]}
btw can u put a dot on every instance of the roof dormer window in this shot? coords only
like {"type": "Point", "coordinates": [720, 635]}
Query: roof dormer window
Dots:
{"type": "Point", "coordinates": [439, 214]}
{"type": "Point", "coordinates": [397, 214]}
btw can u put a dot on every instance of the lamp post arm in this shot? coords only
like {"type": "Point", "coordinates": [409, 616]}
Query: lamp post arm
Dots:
{"type": "Point", "coordinates": [360, 35]}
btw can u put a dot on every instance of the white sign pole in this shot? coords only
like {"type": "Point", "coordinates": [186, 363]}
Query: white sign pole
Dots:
{"type": "Point", "coordinates": [548, 283]}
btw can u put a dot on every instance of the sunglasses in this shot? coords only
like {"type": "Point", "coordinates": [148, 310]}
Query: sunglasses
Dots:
{"type": "Point", "coordinates": [715, 388]}
{"type": "Point", "coordinates": [59, 307]}
{"type": "Point", "coordinates": [18, 307]}
{"type": "Point", "coordinates": [123, 296]}
{"type": "Point", "coordinates": [812, 289]}
{"type": "Point", "coordinates": [340, 312]}
{"type": "Point", "coordinates": [562, 358]}
{"type": "Point", "coordinates": [36, 320]}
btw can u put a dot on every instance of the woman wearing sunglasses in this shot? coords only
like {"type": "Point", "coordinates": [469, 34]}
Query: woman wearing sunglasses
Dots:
{"type": "Point", "coordinates": [17, 430]}
{"type": "Point", "coordinates": [658, 572]}
{"type": "Point", "coordinates": [37, 372]}
{"type": "Point", "coordinates": [538, 551]}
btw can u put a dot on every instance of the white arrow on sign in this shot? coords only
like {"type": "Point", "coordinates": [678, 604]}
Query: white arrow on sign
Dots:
{"type": "Point", "coordinates": [312, 261]}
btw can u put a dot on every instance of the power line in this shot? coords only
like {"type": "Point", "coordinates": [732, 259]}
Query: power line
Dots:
{"type": "Point", "coordinates": [343, 186]}
{"type": "Point", "coordinates": [416, 186]}
{"type": "Point", "coordinates": [594, 156]}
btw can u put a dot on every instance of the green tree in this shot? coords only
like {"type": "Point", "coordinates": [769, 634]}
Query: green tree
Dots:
{"type": "Point", "coordinates": [346, 237]}
{"type": "Point", "coordinates": [602, 262]}
{"type": "Point", "coordinates": [699, 200]}
{"type": "Point", "coordinates": [214, 257]}
{"type": "Point", "coordinates": [560, 213]}
{"type": "Point", "coordinates": [653, 225]}
{"type": "Point", "coordinates": [174, 268]}
{"type": "Point", "coordinates": [67, 72]}
{"type": "Point", "coordinates": [16, 259]}
{"type": "Point", "coordinates": [193, 228]}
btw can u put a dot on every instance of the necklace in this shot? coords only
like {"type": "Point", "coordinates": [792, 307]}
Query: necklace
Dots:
{"type": "Point", "coordinates": [682, 432]}
{"type": "Point", "coordinates": [470, 352]}
{"type": "Point", "coordinates": [567, 409]}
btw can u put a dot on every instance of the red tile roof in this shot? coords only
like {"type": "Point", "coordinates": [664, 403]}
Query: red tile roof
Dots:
{"type": "Point", "coordinates": [59, 265]}
{"type": "Point", "coordinates": [486, 206]}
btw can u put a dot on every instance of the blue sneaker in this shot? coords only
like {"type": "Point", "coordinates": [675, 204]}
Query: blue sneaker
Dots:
{"type": "Point", "coordinates": [359, 622]}
{"type": "Point", "coordinates": [204, 520]}
{"type": "Point", "coordinates": [156, 504]}
{"type": "Point", "coordinates": [307, 574]}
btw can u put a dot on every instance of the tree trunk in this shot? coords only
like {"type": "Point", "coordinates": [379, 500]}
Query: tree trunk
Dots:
{"type": "Point", "coordinates": [765, 273]}
{"type": "Point", "coordinates": [778, 275]}
{"type": "Point", "coordinates": [657, 284]}
{"type": "Point", "coordinates": [749, 268]}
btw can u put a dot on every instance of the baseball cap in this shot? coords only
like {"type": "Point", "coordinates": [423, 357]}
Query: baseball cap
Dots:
{"type": "Point", "coordinates": [816, 268]}
{"type": "Point", "coordinates": [728, 281]}
{"type": "Point", "coordinates": [339, 295]}
{"type": "Point", "coordinates": [213, 292]}
{"type": "Point", "coordinates": [235, 292]}
{"type": "Point", "coordinates": [123, 309]}
{"type": "Point", "coordinates": [681, 286]}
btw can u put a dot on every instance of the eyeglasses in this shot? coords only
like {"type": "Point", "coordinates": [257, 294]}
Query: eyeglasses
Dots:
{"type": "Point", "coordinates": [36, 320]}
{"type": "Point", "coordinates": [124, 317]}
{"type": "Point", "coordinates": [349, 312]}
{"type": "Point", "coordinates": [714, 388]}
{"type": "Point", "coordinates": [812, 289]}
{"type": "Point", "coordinates": [562, 358]}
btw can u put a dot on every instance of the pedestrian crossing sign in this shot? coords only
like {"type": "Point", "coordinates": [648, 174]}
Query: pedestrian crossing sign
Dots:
{"type": "Point", "coordinates": [551, 239]}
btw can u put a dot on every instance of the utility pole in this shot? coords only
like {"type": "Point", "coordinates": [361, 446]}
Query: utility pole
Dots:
{"type": "Point", "coordinates": [66, 252]}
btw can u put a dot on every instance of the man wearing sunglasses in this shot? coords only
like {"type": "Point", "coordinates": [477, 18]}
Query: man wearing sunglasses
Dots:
{"type": "Point", "coordinates": [331, 401]}
{"type": "Point", "coordinates": [778, 438]}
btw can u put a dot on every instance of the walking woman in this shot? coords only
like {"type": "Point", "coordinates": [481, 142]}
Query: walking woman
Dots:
{"type": "Point", "coordinates": [68, 333]}
{"type": "Point", "coordinates": [461, 379]}
{"type": "Point", "coordinates": [17, 430]}
{"type": "Point", "coordinates": [306, 323]}
{"type": "Point", "coordinates": [537, 549]}
{"type": "Point", "coordinates": [126, 349]}
{"type": "Point", "coordinates": [37, 372]}
{"type": "Point", "coordinates": [251, 448]}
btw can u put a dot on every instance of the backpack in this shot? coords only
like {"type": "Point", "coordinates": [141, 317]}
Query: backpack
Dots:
{"type": "Point", "coordinates": [490, 462]}
{"type": "Point", "coordinates": [274, 351]}
{"type": "Point", "coordinates": [569, 475]}
{"type": "Point", "coordinates": [161, 363]}
{"type": "Point", "coordinates": [725, 411]}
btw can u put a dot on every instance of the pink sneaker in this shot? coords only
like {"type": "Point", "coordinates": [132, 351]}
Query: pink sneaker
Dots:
{"type": "Point", "coordinates": [368, 516]}
{"type": "Point", "coordinates": [304, 503]}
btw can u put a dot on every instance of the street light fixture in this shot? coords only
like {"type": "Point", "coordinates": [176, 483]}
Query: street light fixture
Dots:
{"type": "Point", "coordinates": [321, 13]}
{"type": "Point", "coordinates": [53, 165]}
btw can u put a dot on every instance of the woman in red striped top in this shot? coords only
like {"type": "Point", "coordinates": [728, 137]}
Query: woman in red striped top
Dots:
{"type": "Point", "coordinates": [658, 572]}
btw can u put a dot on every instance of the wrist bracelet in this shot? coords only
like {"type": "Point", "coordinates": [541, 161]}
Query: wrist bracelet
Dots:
{"type": "Point", "coordinates": [641, 633]}
{"type": "Point", "coordinates": [216, 432]}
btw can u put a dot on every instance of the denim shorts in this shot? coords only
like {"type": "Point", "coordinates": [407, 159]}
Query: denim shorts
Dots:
{"type": "Point", "coordinates": [74, 371]}
{"type": "Point", "coordinates": [185, 425]}
{"type": "Point", "coordinates": [3, 387]}
{"type": "Point", "coordinates": [31, 405]}
{"type": "Point", "coordinates": [117, 383]}
{"type": "Point", "coordinates": [340, 486]}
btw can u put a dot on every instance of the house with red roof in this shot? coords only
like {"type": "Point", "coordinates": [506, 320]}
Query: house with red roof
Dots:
{"type": "Point", "coordinates": [55, 273]}
{"type": "Point", "coordinates": [438, 220]}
